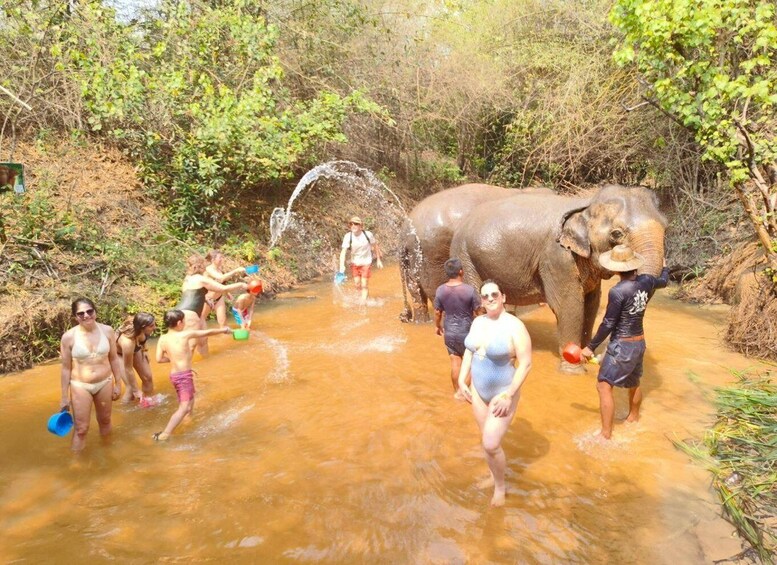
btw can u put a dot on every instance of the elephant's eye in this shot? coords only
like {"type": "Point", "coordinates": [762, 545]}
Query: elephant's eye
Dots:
{"type": "Point", "coordinates": [616, 236]}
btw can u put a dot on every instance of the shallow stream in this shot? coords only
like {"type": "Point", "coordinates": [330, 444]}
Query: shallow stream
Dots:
{"type": "Point", "coordinates": [332, 436]}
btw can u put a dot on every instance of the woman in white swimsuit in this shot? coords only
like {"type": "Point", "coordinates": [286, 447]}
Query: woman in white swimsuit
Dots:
{"type": "Point", "coordinates": [91, 371]}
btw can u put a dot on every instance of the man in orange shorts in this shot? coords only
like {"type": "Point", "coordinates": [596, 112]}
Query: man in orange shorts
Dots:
{"type": "Point", "coordinates": [362, 245]}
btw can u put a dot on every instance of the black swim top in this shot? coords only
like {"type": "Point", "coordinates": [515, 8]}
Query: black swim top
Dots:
{"type": "Point", "coordinates": [193, 299]}
{"type": "Point", "coordinates": [626, 305]}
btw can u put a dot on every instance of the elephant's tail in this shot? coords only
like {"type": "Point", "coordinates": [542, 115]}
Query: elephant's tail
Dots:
{"type": "Point", "coordinates": [404, 269]}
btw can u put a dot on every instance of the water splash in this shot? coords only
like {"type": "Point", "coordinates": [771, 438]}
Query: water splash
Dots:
{"type": "Point", "coordinates": [280, 372]}
{"type": "Point", "coordinates": [346, 173]}
{"type": "Point", "coordinates": [222, 421]}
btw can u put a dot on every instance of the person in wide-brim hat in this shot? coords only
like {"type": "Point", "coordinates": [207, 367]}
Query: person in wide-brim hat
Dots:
{"type": "Point", "coordinates": [622, 366]}
{"type": "Point", "coordinates": [621, 259]}
{"type": "Point", "coordinates": [362, 246]}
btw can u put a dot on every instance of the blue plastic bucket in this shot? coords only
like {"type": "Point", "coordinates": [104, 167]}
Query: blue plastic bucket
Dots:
{"type": "Point", "coordinates": [252, 269]}
{"type": "Point", "coordinates": [60, 423]}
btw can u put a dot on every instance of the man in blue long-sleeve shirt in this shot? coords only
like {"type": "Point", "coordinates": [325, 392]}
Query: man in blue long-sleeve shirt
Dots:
{"type": "Point", "coordinates": [627, 300]}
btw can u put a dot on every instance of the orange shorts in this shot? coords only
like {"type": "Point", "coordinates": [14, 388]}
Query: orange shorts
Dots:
{"type": "Point", "coordinates": [362, 271]}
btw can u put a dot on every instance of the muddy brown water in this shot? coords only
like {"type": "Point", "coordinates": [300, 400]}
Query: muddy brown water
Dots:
{"type": "Point", "coordinates": [331, 436]}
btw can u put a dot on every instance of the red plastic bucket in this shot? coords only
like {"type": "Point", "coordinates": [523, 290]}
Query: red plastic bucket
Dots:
{"type": "Point", "coordinates": [255, 287]}
{"type": "Point", "coordinates": [571, 353]}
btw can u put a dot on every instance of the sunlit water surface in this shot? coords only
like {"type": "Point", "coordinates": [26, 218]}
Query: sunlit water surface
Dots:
{"type": "Point", "coordinates": [331, 436]}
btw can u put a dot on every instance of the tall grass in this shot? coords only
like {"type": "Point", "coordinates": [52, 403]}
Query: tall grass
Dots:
{"type": "Point", "coordinates": [740, 451]}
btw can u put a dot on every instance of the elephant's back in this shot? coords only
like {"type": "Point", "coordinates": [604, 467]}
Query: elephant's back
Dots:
{"type": "Point", "coordinates": [533, 215]}
{"type": "Point", "coordinates": [505, 240]}
{"type": "Point", "coordinates": [445, 209]}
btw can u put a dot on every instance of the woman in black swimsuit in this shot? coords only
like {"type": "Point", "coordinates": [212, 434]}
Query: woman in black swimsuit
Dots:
{"type": "Point", "coordinates": [195, 286]}
{"type": "Point", "coordinates": [131, 340]}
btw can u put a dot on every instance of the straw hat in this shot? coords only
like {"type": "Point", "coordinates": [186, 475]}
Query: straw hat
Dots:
{"type": "Point", "coordinates": [621, 258]}
{"type": "Point", "coordinates": [356, 220]}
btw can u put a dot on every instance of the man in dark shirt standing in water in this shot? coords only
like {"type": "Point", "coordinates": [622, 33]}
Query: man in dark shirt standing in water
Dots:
{"type": "Point", "coordinates": [458, 301]}
{"type": "Point", "coordinates": [627, 300]}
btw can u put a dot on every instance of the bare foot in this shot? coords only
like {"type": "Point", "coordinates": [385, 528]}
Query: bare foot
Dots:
{"type": "Point", "coordinates": [160, 436]}
{"type": "Point", "coordinates": [499, 498]}
{"type": "Point", "coordinates": [458, 396]}
{"type": "Point", "coordinates": [600, 436]}
{"type": "Point", "coordinates": [632, 419]}
{"type": "Point", "coordinates": [488, 482]}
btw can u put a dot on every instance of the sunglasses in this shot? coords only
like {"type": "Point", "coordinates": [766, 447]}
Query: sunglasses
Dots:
{"type": "Point", "coordinates": [493, 295]}
{"type": "Point", "coordinates": [85, 314]}
{"type": "Point", "coordinates": [354, 224]}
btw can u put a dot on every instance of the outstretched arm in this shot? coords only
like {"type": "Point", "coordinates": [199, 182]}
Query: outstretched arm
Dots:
{"type": "Point", "coordinates": [614, 304]}
{"type": "Point", "coordinates": [216, 286]}
{"type": "Point", "coordinates": [216, 275]}
{"type": "Point", "coordinates": [207, 333]}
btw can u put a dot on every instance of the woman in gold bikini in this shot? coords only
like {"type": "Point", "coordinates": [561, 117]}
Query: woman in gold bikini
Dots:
{"type": "Point", "coordinates": [131, 340]}
{"type": "Point", "coordinates": [91, 371]}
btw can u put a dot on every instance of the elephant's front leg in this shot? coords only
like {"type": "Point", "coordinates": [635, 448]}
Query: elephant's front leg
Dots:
{"type": "Point", "coordinates": [566, 298]}
{"type": "Point", "coordinates": [591, 309]}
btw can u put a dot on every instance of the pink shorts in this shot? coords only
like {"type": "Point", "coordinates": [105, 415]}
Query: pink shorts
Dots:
{"type": "Point", "coordinates": [362, 271]}
{"type": "Point", "coordinates": [183, 382]}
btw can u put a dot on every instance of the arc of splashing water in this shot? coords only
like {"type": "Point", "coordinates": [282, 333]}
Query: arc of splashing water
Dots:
{"type": "Point", "coordinates": [280, 218]}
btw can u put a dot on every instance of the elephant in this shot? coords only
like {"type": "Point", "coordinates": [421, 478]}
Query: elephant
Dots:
{"type": "Point", "coordinates": [428, 232]}
{"type": "Point", "coordinates": [545, 248]}
{"type": "Point", "coordinates": [427, 235]}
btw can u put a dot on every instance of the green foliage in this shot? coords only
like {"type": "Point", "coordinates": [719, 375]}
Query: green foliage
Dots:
{"type": "Point", "coordinates": [711, 64]}
{"type": "Point", "coordinates": [195, 92]}
{"type": "Point", "coordinates": [33, 218]}
{"type": "Point", "coordinates": [274, 254]}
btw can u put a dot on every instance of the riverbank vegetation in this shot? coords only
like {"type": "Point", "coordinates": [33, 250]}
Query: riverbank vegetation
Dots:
{"type": "Point", "coordinates": [217, 107]}
{"type": "Point", "coordinates": [739, 451]}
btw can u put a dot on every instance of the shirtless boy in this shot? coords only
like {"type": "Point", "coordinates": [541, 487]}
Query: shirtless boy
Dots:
{"type": "Point", "coordinates": [175, 347]}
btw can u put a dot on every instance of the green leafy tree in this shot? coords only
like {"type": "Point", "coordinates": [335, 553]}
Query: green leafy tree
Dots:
{"type": "Point", "coordinates": [711, 65]}
{"type": "Point", "coordinates": [193, 90]}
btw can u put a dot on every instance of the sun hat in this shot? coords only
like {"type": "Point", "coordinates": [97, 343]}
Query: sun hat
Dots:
{"type": "Point", "coordinates": [621, 258]}
{"type": "Point", "coordinates": [356, 220]}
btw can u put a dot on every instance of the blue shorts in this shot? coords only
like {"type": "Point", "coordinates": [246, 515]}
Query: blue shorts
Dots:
{"type": "Point", "coordinates": [455, 344]}
{"type": "Point", "coordinates": [622, 366]}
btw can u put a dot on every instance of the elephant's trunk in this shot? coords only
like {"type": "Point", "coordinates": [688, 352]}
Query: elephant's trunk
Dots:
{"type": "Point", "coordinates": [648, 241]}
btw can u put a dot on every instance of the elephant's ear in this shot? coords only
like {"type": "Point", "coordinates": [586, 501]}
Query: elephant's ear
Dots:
{"type": "Point", "coordinates": [574, 233]}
